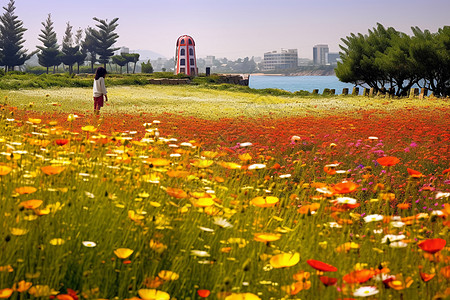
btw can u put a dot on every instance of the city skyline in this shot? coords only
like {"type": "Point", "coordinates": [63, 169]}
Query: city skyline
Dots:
{"type": "Point", "coordinates": [232, 29]}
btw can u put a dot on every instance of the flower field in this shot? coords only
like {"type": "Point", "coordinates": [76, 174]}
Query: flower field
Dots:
{"type": "Point", "coordinates": [342, 203]}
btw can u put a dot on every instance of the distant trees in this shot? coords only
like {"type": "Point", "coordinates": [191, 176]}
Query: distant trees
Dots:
{"type": "Point", "coordinates": [105, 38]}
{"type": "Point", "coordinates": [69, 50]}
{"type": "Point", "coordinates": [11, 39]}
{"type": "Point", "coordinates": [147, 67]}
{"type": "Point", "coordinates": [387, 58]}
{"type": "Point", "coordinates": [49, 53]}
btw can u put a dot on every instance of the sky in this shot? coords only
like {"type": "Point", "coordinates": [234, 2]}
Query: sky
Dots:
{"type": "Point", "coordinates": [232, 28]}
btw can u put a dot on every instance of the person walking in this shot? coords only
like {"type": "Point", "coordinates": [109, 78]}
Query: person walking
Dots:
{"type": "Point", "coordinates": [99, 90]}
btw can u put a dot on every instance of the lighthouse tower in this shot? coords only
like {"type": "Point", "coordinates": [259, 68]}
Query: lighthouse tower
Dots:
{"type": "Point", "coordinates": [185, 56]}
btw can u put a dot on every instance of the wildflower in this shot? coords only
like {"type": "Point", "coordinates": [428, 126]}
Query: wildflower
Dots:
{"type": "Point", "coordinates": [358, 276]}
{"type": "Point", "coordinates": [4, 170]}
{"type": "Point", "coordinates": [200, 253]}
{"type": "Point", "coordinates": [176, 193]}
{"type": "Point", "coordinates": [365, 291]}
{"type": "Point", "coordinates": [265, 201]}
{"type": "Point", "coordinates": [6, 293]}
{"type": "Point", "coordinates": [373, 218]}
{"type": "Point", "coordinates": [388, 161]}
{"type": "Point", "coordinates": [168, 275]}
{"type": "Point", "coordinates": [52, 170]}
{"type": "Point", "coordinates": [222, 222]}
{"type": "Point", "coordinates": [242, 296]}
{"type": "Point", "coordinates": [328, 281]}
{"type": "Point", "coordinates": [89, 244]}
{"type": "Point", "coordinates": [392, 238]}
{"type": "Point", "coordinates": [432, 245]}
{"type": "Point", "coordinates": [153, 294]}
{"type": "Point", "coordinates": [284, 260]}
{"type": "Point", "coordinates": [123, 253]}
{"type": "Point", "coordinates": [256, 166]}
{"type": "Point", "coordinates": [345, 200]}
{"type": "Point", "coordinates": [31, 204]}
{"type": "Point", "coordinates": [414, 173]}
{"type": "Point", "coordinates": [345, 187]}
{"type": "Point", "coordinates": [203, 293]}
{"type": "Point", "coordinates": [267, 237]}
{"type": "Point", "coordinates": [321, 266]}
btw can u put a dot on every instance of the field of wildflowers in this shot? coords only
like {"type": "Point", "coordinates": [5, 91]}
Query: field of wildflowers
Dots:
{"type": "Point", "coordinates": [344, 201]}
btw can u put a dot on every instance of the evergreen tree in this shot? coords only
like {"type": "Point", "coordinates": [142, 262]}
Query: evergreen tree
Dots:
{"type": "Point", "coordinates": [49, 56]}
{"type": "Point", "coordinates": [105, 38]}
{"type": "Point", "coordinates": [89, 46]}
{"type": "Point", "coordinates": [69, 51]}
{"type": "Point", "coordinates": [80, 56]}
{"type": "Point", "coordinates": [11, 39]}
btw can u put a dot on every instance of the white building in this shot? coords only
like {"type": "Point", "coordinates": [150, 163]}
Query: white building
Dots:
{"type": "Point", "coordinates": [283, 60]}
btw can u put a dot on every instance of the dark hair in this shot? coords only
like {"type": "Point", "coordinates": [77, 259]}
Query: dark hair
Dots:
{"type": "Point", "coordinates": [101, 72]}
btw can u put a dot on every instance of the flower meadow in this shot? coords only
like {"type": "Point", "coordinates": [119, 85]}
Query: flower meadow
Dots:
{"type": "Point", "coordinates": [166, 206]}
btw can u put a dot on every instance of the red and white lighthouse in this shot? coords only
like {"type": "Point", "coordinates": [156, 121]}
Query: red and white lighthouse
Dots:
{"type": "Point", "coordinates": [185, 56]}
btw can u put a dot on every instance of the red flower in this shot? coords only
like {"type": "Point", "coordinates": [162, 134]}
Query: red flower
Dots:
{"type": "Point", "coordinates": [414, 173]}
{"type": "Point", "coordinates": [388, 161]}
{"type": "Point", "coordinates": [432, 245]}
{"type": "Point", "coordinates": [203, 293]}
{"type": "Point", "coordinates": [321, 266]}
{"type": "Point", "coordinates": [61, 142]}
{"type": "Point", "coordinates": [327, 281]}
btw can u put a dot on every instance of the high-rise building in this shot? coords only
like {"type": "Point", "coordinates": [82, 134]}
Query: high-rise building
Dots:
{"type": "Point", "coordinates": [185, 56]}
{"type": "Point", "coordinates": [285, 59]}
{"type": "Point", "coordinates": [320, 54]}
{"type": "Point", "coordinates": [333, 58]}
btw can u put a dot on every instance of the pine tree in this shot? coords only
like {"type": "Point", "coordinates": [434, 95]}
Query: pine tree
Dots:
{"type": "Point", "coordinates": [105, 38]}
{"type": "Point", "coordinates": [89, 46]}
{"type": "Point", "coordinates": [69, 51]}
{"type": "Point", "coordinates": [80, 55]}
{"type": "Point", "coordinates": [49, 56]}
{"type": "Point", "coordinates": [11, 39]}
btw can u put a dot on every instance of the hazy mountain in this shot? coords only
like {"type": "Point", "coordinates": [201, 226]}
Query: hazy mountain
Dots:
{"type": "Point", "coordinates": [147, 54]}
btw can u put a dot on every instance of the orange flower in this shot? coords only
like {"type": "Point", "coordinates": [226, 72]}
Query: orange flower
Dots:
{"type": "Point", "coordinates": [309, 208]}
{"type": "Point", "coordinates": [329, 170]}
{"type": "Point", "coordinates": [404, 205]}
{"type": "Point", "coordinates": [22, 286]}
{"type": "Point", "coordinates": [445, 271]}
{"type": "Point", "coordinates": [245, 157]}
{"type": "Point", "coordinates": [176, 193]}
{"type": "Point", "coordinates": [4, 170]}
{"type": "Point", "coordinates": [388, 161]}
{"type": "Point", "coordinates": [399, 284]}
{"type": "Point", "coordinates": [345, 187]}
{"type": "Point", "coordinates": [359, 276]}
{"type": "Point", "coordinates": [177, 173]}
{"type": "Point", "coordinates": [321, 266]}
{"type": "Point", "coordinates": [25, 190]}
{"type": "Point", "coordinates": [414, 173]}
{"type": "Point", "coordinates": [426, 277]}
{"type": "Point", "coordinates": [6, 293]}
{"type": "Point", "coordinates": [52, 170]}
{"type": "Point", "coordinates": [432, 245]}
{"type": "Point", "coordinates": [31, 204]}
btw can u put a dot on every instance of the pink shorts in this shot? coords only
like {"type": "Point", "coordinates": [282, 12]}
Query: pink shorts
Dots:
{"type": "Point", "coordinates": [98, 102]}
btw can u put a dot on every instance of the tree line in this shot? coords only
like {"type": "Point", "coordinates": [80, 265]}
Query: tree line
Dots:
{"type": "Point", "coordinates": [389, 59]}
{"type": "Point", "coordinates": [97, 45]}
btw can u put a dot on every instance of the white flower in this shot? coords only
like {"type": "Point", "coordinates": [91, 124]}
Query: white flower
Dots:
{"type": "Point", "coordinates": [222, 222]}
{"type": "Point", "coordinates": [285, 175]}
{"type": "Point", "coordinates": [440, 195]}
{"type": "Point", "coordinates": [200, 253]}
{"type": "Point", "coordinates": [372, 138]}
{"type": "Point", "coordinates": [256, 166]}
{"type": "Point", "coordinates": [175, 155]}
{"type": "Point", "coordinates": [186, 144]}
{"type": "Point", "coordinates": [365, 291]}
{"type": "Point", "coordinates": [393, 238]}
{"type": "Point", "coordinates": [398, 224]}
{"type": "Point", "coordinates": [295, 138]}
{"type": "Point", "coordinates": [206, 229]}
{"type": "Point", "coordinates": [346, 200]}
{"type": "Point", "coordinates": [246, 144]}
{"type": "Point", "coordinates": [334, 225]}
{"type": "Point", "coordinates": [373, 218]}
{"type": "Point", "coordinates": [398, 244]}
{"type": "Point", "coordinates": [438, 213]}
{"type": "Point", "coordinates": [89, 244]}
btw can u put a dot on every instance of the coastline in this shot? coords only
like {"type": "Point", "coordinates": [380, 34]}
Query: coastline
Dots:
{"type": "Point", "coordinates": [301, 73]}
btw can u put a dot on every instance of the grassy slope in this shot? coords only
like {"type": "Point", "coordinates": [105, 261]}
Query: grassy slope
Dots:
{"type": "Point", "coordinates": [205, 103]}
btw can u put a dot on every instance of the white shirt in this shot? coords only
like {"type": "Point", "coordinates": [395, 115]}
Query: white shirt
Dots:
{"type": "Point", "coordinates": [99, 87]}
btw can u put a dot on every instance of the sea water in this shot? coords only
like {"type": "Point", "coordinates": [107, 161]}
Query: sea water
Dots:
{"type": "Point", "coordinates": [297, 83]}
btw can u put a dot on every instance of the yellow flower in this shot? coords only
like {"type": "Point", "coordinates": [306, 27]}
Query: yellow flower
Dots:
{"type": "Point", "coordinates": [123, 253]}
{"type": "Point", "coordinates": [56, 242]}
{"type": "Point", "coordinates": [4, 170]}
{"type": "Point", "coordinates": [35, 121]}
{"type": "Point", "coordinates": [152, 294]}
{"type": "Point", "coordinates": [89, 128]}
{"type": "Point", "coordinates": [284, 260]}
{"type": "Point", "coordinates": [168, 275]}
